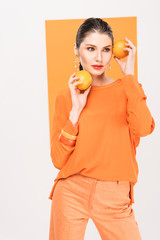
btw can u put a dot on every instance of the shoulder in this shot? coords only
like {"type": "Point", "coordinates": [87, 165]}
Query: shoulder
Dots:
{"type": "Point", "coordinates": [64, 93]}
{"type": "Point", "coordinates": [63, 98]}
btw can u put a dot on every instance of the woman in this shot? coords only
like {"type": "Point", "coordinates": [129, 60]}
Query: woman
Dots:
{"type": "Point", "coordinates": [94, 140]}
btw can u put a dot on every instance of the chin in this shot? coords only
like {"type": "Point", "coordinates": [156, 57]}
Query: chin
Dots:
{"type": "Point", "coordinates": [97, 72]}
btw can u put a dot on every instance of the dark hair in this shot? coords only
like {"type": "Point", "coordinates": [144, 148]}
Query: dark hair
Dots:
{"type": "Point", "coordinates": [91, 25]}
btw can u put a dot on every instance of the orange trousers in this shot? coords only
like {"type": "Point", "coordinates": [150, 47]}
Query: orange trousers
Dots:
{"type": "Point", "coordinates": [78, 198]}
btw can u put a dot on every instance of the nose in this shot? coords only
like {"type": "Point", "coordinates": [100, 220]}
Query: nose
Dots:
{"type": "Point", "coordinates": [99, 56]}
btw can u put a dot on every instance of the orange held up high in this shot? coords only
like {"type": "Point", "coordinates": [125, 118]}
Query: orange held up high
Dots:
{"type": "Point", "coordinates": [118, 49]}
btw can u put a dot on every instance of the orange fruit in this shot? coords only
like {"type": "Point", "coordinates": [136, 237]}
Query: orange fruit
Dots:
{"type": "Point", "coordinates": [118, 49]}
{"type": "Point", "coordinates": [85, 78]}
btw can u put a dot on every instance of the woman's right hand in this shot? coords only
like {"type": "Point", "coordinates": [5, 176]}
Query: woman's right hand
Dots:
{"type": "Point", "coordinates": [78, 99]}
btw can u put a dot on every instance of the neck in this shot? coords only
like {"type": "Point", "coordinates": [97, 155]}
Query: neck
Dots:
{"type": "Point", "coordinates": [100, 80]}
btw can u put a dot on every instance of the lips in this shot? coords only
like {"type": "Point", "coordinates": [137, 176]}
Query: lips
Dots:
{"type": "Point", "coordinates": [97, 65]}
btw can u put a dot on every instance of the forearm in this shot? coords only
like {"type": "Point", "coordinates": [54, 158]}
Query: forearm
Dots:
{"type": "Point", "coordinates": [74, 116]}
{"type": "Point", "coordinates": [139, 116]}
{"type": "Point", "coordinates": [61, 151]}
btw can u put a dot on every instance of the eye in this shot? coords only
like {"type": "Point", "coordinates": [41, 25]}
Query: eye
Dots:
{"type": "Point", "coordinates": [89, 47]}
{"type": "Point", "coordinates": [108, 49]}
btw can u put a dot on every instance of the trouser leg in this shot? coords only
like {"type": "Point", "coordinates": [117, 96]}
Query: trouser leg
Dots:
{"type": "Point", "coordinates": [69, 209]}
{"type": "Point", "coordinates": [112, 212]}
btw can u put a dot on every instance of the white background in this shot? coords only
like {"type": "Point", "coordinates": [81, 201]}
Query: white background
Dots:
{"type": "Point", "coordinates": [26, 170]}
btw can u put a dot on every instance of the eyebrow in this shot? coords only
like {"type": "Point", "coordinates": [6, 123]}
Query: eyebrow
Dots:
{"type": "Point", "coordinates": [95, 46]}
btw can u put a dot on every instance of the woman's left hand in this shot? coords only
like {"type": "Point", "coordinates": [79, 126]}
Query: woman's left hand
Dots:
{"type": "Point", "coordinates": [127, 67]}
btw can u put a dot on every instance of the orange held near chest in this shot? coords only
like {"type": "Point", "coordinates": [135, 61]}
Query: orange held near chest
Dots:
{"type": "Point", "coordinates": [85, 78]}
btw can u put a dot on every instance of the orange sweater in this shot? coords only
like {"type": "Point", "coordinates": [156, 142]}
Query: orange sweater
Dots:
{"type": "Point", "coordinates": [108, 131]}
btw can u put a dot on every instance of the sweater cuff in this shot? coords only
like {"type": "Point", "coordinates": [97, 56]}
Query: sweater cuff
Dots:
{"type": "Point", "coordinates": [70, 128]}
{"type": "Point", "coordinates": [133, 89]}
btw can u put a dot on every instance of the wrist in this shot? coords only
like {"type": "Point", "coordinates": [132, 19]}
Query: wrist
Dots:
{"type": "Point", "coordinates": [74, 116]}
{"type": "Point", "coordinates": [75, 111]}
{"type": "Point", "coordinates": [129, 73]}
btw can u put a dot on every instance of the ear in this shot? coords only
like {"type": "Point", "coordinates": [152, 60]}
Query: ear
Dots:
{"type": "Point", "coordinates": [75, 49]}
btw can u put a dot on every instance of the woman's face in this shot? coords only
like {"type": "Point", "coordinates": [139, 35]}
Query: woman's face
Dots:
{"type": "Point", "coordinates": [96, 49]}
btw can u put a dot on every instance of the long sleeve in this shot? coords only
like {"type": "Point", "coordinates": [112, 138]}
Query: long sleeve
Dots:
{"type": "Point", "coordinates": [139, 117]}
{"type": "Point", "coordinates": [59, 151]}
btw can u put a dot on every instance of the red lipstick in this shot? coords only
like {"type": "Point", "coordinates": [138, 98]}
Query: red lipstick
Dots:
{"type": "Point", "coordinates": [98, 67]}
